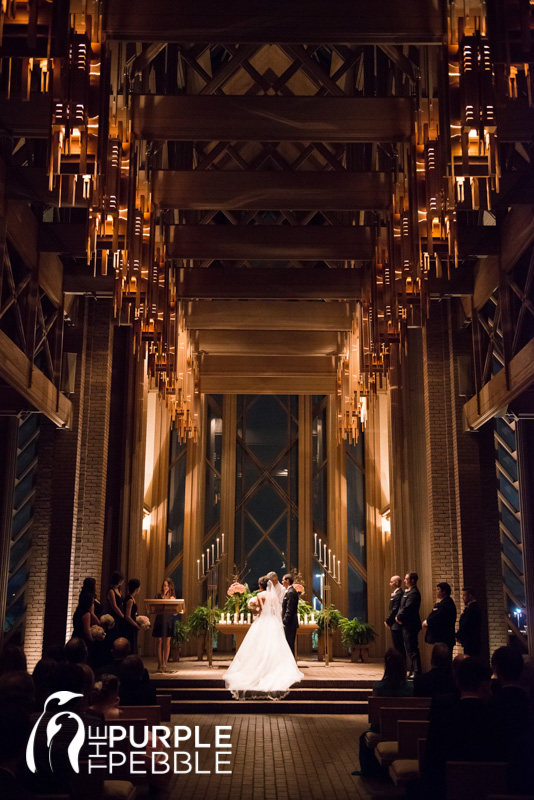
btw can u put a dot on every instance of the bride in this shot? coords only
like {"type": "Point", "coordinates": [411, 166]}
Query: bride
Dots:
{"type": "Point", "coordinates": [264, 666]}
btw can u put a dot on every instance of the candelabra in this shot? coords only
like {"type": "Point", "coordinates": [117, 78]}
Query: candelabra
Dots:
{"type": "Point", "coordinates": [210, 573]}
{"type": "Point", "coordinates": [327, 561]}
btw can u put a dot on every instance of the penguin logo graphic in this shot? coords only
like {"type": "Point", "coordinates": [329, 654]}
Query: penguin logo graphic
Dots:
{"type": "Point", "coordinates": [53, 727]}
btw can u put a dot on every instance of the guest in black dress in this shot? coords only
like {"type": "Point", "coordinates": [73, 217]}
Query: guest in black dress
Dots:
{"type": "Point", "coordinates": [99, 649]}
{"type": "Point", "coordinates": [83, 618]}
{"type": "Point", "coordinates": [131, 628]}
{"type": "Point", "coordinates": [115, 602]}
{"type": "Point", "coordinates": [89, 587]}
{"type": "Point", "coordinates": [167, 593]}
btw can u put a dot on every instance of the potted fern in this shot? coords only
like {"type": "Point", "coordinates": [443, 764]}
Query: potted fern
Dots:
{"type": "Point", "coordinates": [180, 635]}
{"type": "Point", "coordinates": [201, 624]}
{"type": "Point", "coordinates": [358, 636]}
{"type": "Point", "coordinates": [334, 618]}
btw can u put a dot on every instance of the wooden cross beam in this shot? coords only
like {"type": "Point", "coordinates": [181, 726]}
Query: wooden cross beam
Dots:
{"type": "Point", "coordinates": [193, 190]}
{"type": "Point", "coordinates": [272, 118]}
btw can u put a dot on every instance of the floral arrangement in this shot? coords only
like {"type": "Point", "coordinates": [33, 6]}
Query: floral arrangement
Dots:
{"type": "Point", "coordinates": [299, 588]}
{"type": "Point", "coordinates": [98, 634]}
{"type": "Point", "coordinates": [143, 622]}
{"type": "Point", "coordinates": [107, 622]}
{"type": "Point", "coordinates": [236, 588]}
{"type": "Point", "coordinates": [254, 604]}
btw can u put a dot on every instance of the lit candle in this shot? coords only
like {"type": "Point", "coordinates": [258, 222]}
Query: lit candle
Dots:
{"type": "Point", "coordinates": [223, 621]}
{"type": "Point", "coordinates": [314, 544]}
{"type": "Point", "coordinates": [218, 554]}
{"type": "Point", "coordinates": [324, 558]}
{"type": "Point", "coordinates": [235, 618]}
{"type": "Point", "coordinates": [329, 559]}
{"type": "Point", "coordinates": [249, 617]}
{"type": "Point", "coordinates": [334, 571]}
{"type": "Point", "coordinates": [207, 558]}
{"type": "Point", "coordinates": [203, 570]}
{"type": "Point", "coordinates": [222, 546]}
{"type": "Point", "coordinates": [228, 618]}
{"type": "Point", "coordinates": [313, 619]}
{"type": "Point", "coordinates": [198, 568]}
{"type": "Point", "coordinates": [305, 619]}
{"type": "Point", "coordinates": [212, 554]}
{"type": "Point", "coordinates": [241, 618]}
{"type": "Point", "coordinates": [320, 551]}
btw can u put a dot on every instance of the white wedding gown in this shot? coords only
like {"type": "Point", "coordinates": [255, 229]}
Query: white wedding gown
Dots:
{"type": "Point", "coordinates": [264, 666]}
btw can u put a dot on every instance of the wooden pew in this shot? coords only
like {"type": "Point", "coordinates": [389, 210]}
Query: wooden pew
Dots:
{"type": "Point", "coordinates": [376, 703]}
{"type": "Point", "coordinates": [151, 714]}
{"type": "Point", "coordinates": [164, 702]}
{"type": "Point", "coordinates": [405, 771]}
{"type": "Point", "coordinates": [409, 731]}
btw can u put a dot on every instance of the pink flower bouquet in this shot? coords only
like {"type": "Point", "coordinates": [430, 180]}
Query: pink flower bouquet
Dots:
{"type": "Point", "coordinates": [236, 588]}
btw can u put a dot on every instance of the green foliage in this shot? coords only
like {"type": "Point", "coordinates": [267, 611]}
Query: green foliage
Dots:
{"type": "Point", "coordinates": [304, 608]}
{"type": "Point", "coordinates": [355, 632]}
{"type": "Point", "coordinates": [203, 620]}
{"type": "Point", "coordinates": [180, 632]}
{"type": "Point", "coordinates": [335, 618]}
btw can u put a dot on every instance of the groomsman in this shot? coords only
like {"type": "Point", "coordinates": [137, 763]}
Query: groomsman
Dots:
{"type": "Point", "coordinates": [468, 633]}
{"type": "Point", "coordinates": [410, 620]}
{"type": "Point", "coordinates": [441, 621]}
{"type": "Point", "coordinates": [394, 606]}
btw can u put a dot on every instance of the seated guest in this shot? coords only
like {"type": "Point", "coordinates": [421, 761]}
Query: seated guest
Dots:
{"type": "Point", "coordinates": [42, 677]}
{"type": "Point", "coordinates": [119, 651]}
{"type": "Point", "coordinates": [16, 688]}
{"type": "Point", "coordinates": [57, 652]}
{"type": "Point", "coordinates": [439, 679]}
{"type": "Point", "coordinates": [510, 700]}
{"type": "Point", "coordinates": [462, 731]}
{"type": "Point", "coordinates": [106, 697]}
{"type": "Point", "coordinates": [76, 651]}
{"type": "Point", "coordinates": [14, 733]}
{"type": "Point", "coordinates": [393, 683]}
{"type": "Point", "coordinates": [135, 690]}
{"type": "Point", "coordinates": [12, 659]}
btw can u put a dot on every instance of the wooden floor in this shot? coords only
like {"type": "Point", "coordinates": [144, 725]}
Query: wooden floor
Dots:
{"type": "Point", "coordinates": [337, 670]}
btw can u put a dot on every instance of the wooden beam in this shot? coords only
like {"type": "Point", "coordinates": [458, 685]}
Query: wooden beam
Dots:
{"type": "Point", "coordinates": [271, 190]}
{"type": "Point", "coordinates": [486, 278]}
{"type": "Point", "coordinates": [515, 121]}
{"type": "Point", "coordinates": [272, 118]}
{"type": "Point", "coordinates": [63, 237]}
{"type": "Point", "coordinates": [23, 231]}
{"type": "Point", "coordinates": [267, 375]}
{"type": "Point", "coordinates": [273, 242]}
{"type": "Point", "coordinates": [495, 395]}
{"type": "Point", "coordinates": [30, 119]}
{"type": "Point", "coordinates": [268, 315]}
{"type": "Point", "coordinates": [269, 284]}
{"type": "Point", "coordinates": [32, 384]}
{"type": "Point", "coordinates": [81, 282]}
{"type": "Point", "coordinates": [51, 277]}
{"type": "Point", "coordinates": [517, 233]}
{"type": "Point", "coordinates": [297, 22]}
{"type": "Point", "coordinates": [268, 342]}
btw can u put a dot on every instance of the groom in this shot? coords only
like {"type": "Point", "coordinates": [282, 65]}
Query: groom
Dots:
{"type": "Point", "coordinates": [290, 605]}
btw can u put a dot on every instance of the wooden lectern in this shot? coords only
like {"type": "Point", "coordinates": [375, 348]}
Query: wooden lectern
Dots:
{"type": "Point", "coordinates": [165, 608]}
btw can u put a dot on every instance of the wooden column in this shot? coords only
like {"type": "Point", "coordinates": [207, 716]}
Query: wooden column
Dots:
{"type": "Point", "coordinates": [193, 517]}
{"type": "Point", "coordinates": [305, 473]}
{"type": "Point", "coordinates": [228, 468]}
{"type": "Point", "coordinates": [377, 499]}
{"type": "Point", "coordinates": [337, 505]}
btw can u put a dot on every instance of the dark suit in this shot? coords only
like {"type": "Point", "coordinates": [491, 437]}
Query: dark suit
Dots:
{"type": "Point", "coordinates": [441, 623]}
{"type": "Point", "coordinates": [468, 633]}
{"type": "Point", "coordinates": [290, 619]}
{"type": "Point", "coordinates": [393, 625]}
{"type": "Point", "coordinates": [437, 681]}
{"type": "Point", "coordinates": [411, 625]}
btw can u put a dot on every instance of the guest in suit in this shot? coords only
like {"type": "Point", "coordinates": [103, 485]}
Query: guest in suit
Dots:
{"type": "Point", "coordinates": [439, 679]}
{"type": "Point", "coordinates": [394, 606]}
{"type": "Point", "coordinates": [290, 605]}
{"type": "Point", "coordinates": [510, 700]}
{"type": "Point", "coordinates": [134, 689]}
{"type": "Point", "coordinates": [441, 621]}
{"type": "Point", "coordinates": [468, 633]}
{"type": "Point", "coordinates": [410, 620]}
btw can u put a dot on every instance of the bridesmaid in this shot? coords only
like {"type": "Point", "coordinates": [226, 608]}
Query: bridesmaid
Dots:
{"type": "Point", "coordinates": [83, 618]}
{"type": "Point", "coordinates": [130, 626]}
{"type": "Point", "coordinates": [115, 603]}
{"type": "Point", "coordinates": [89, 587]}
{"type": "Point", "coordinates": [167, 593]}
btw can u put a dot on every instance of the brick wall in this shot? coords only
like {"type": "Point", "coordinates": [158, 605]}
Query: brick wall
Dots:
{"type": "Point", "coordinates": [35, 593]}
